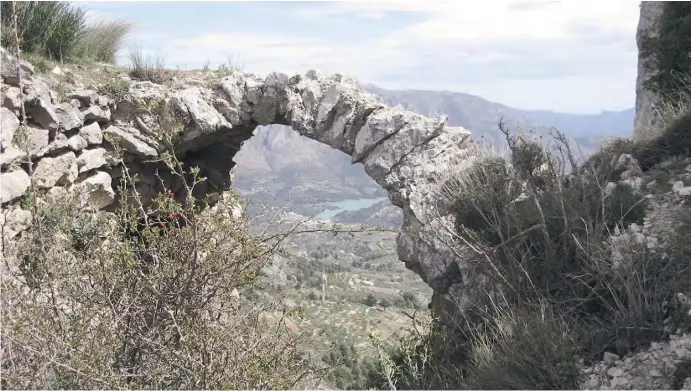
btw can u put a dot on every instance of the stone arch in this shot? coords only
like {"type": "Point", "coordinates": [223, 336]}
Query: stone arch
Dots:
{"type": "Point", "coordinates": [403, 152]}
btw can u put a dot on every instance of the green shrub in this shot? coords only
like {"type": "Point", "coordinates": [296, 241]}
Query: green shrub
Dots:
{"type": "Point", "coordinates": [102, 41]}
{"type": "Point", "coordinates": [115, 89]}
{"type": "Point", "coordinates": [523, 350]}
{"type": "Point", "coordinates": [546, 246]}
{"type": "Point", "coordinates": [48, 28]}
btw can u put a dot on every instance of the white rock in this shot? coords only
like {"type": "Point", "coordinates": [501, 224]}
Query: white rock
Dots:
{"type": "Point", "coordinates": [11, 98]}
{"type": "Point", "coordinates": [96, 113]}
{"type": "Point", "coordinates": [9, 69]}
{"type": "Point", "coordinates": [69, 117]}
{"type": "Point", "coordinates": [92, 133]}
{"type": "Point", "coordinates": [96, 191]}
{"type": "Point", "coordinates": [58, 170]}
{"type": "Point", "coordinates": [13, 221]}
{"type": "Point", "coordinates": [77, 143]}
{"type": "Point", "coordinates": [651, 242]}
{"type": "Point", "coordinates": [9, 123]}
{"type": "Point", "coordinates": [13, 185]}
{"type": "Point", "coordinates": [654, 372]}
{"type": "Point", "coordinates": [685, 192]}
{"type": "Point", "coordinates": [615, 372]}
{"type": "Point", "coordinates": [10, 156]}
{"type": "Point", "coordinates": [130, 142]}
{"type": "Point", "coordinates": [36, 140]}
{"type": "Point", "coordinates": [678, 185]}
{"type": "Point", "coordinates": [610, 358]}
{"type": "Point", "coordinates": [91, 158]}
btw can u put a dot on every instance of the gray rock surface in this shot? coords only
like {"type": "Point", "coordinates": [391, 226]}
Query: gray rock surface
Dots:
{"type": "Point", "coordinates": [52, 171]}
{"type": "Point", "coordinates": [14, 185]}
{"type": "Point", "coordinates": [645, 99]}
{"type": "Point", "coordinates": [9, 123]}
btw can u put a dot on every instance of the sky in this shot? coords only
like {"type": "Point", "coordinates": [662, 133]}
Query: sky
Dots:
{"type": "Point", "coordinates": [576, 56]}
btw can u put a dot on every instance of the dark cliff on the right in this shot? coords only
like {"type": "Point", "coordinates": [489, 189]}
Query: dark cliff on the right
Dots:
{"type": "Point", "coordinates": [664, 64]}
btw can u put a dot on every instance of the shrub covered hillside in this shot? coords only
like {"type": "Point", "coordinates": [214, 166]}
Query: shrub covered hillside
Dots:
{"type": "Point", "coordinates": [583, 265]}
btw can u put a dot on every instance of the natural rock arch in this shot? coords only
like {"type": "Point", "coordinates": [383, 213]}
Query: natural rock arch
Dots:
{"type": "Point", "coordinates": [405, 153]}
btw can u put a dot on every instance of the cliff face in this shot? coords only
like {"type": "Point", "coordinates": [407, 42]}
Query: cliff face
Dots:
{"type": "Point", "coordinates": [74, 138]}
{"type": "Point", "coordinates": [645, 100]}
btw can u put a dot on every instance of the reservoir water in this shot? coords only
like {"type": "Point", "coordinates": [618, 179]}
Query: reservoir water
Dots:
{"type": "Point", "coordinates": [348, 206]}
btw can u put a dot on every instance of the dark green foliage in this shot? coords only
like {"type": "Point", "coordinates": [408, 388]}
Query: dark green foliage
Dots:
{"type": "Point", "coordinates": [624, 206]}
{"type": "Point", "coordinates": [669, 51]}
{"type": "Point", "coordinates": [48, 28]}
{"type": "Point", "coordinates": [674, 141]}
{"type": "Point", "coordinates": [349, 370]}
{"type": "Point", "coordinates": [681, 373]}
{"type": "Point", "coordinates": [524, 350]}
{"type": "Point", "coordinates": [370, 300]}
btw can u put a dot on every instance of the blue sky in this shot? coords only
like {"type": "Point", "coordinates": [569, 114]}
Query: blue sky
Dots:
{"type": "Point", "coordinates": [570, 56]}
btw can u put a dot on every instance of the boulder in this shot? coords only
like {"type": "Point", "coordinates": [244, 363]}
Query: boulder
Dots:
{"type": "Point", "coordinates": [91, 133]}
{"type": "Point", "coordinates": [77, 143]}
{"type": "Point", "coordinates": [14, 185]}
{"type": "Point", "coordinates": [52, 171]}
{"type": "Point", "coordinates": [13, 221]}
{"type": "Point", "coordinates": [9, 69]}
{"type": "Point", "coordinates": [69, 117]}
{"type": "Point", "coordinates": [128, 141]}
{"type": "Point", "coordinates": [96, 191]}
{"type": "Point", "coordinates": [91, 159]}
{"type": "Point", "coordinates": [9, 123]}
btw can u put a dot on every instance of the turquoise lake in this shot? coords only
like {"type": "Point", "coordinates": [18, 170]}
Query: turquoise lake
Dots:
{"type": "Point", "coordinates": [348, 206]}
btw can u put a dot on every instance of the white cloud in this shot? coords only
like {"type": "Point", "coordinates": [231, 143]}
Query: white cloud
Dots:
{"type": "Point", "coordinates": [529, 54]}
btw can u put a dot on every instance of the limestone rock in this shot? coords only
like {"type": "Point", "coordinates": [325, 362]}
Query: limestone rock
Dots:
{"type": "Point", "coordinates": [57, 145]}
{"type": "Point", "coordinates": [85, 97]}
{"type": "Point", "coordinates": [14, 185]}
{"type": "Point", "coordinates": [9, 123]}
{"type": "Point", "coordinates": [69, 117]}
{"type": "Point", "coordinates": [43, 114]}
{"type": "Point", "coordinates": [130, 142]}
{"type": "Point", "coordinates": [96, 191]}
{"type": "Point", "coordinates": [96, 113]}
{"type": "Point", "coordinates": [11, 98]}
{"type": "Point", "coordinates": [77, 143]}
{"type": "Point", "coordinates": [677, 186]}
{"type": "Point", "coordinates": [91, 158]}
{"type": "Point", "coordinates": [51, 171]}
{"type": "Point", "coordinates": [9, 69]}
{"type": "Point", "coordinates": [10, 156]}
{"type": "Point", "coordinates": [91, 133]}
{"type": "Point", "coordinates": [13, 221]}
{"type": "Point", "coordinates": [204, 116]}
{"type": "Point", "coordinates": [36, 140]}
{"type": "Point", "coordinates": [650, 13]}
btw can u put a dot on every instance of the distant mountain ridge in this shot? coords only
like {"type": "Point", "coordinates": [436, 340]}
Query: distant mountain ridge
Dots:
{"type": "Point", "coordinates": [481, 116]}
{"type": "Point", "coordinates": [279, 163]}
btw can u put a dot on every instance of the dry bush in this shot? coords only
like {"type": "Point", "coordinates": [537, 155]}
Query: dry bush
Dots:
{"type": "Point", "coordinates": [149, 68]}
{"type": "Point", "coordinates": [86, 306]}
{"type": "Point", "coordinates": [84, 312]}
{"type": "Point", "coordinates": [535, 230]}
{"type": "Point", "coordinates": [103, 40]}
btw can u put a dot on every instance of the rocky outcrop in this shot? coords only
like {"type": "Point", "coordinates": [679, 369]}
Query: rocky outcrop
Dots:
{"type": "Point", "coordinates": [208, 121]}
{"type": "Point", "coordinates": [644, 121]}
